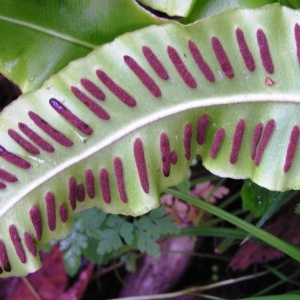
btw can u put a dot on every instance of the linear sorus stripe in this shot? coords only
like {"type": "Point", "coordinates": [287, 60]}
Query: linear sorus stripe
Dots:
{"type": "Point", "coordinates": [265, 138]}
{"type": "Point", "coordinates": [165, 154]}
{"type": "Point", "coordinates": [4, 175]}
{"type": "Point", "coordinates": [181, 68]}
{"type": "Point", "coordinates": [201, 63]}
{"type": "Point", "coordinates": [30, 243]}
{"type": "Point", "coordinates": [36, 220]}
{"type": "Point", "coordinates": [15, 239]}
{"type": "Point", "coordinates": [63, 213]}
{"type": "Point", "coordinates": [80, 192]}
{"type": "Point", "coordinates": [51, 210]}
{"type": "Point", "coordinates": [93, 89]}
{"type": "Point", "coordinates": [202, 128]}
{"type": "Point", "coordinates": [155, 63]}
{"type": "Point", "coordinates": [34, 137]}
{"type": "Point", "coordinates": [22, 142]}
{"type": "Point", "coordinates": [90, 183]}
{"type": "Point", "coordinates": [139, 156]}
{"type": "Point", "coordinates": [119, 174]}
{"type": "Point", "coordinates": [70, 117]}
{"type": "Point", "coordinates": [264, 51]}
{"type": "Point", "coordinates": [72, 192]}
{"type": "Point", "coordinates": [237, 141]}
{"type": "Point", "coordinates": [291, 150]}
{"type": "Point", "coordinates": [4, 258]}
{"type": "Point", "coordinates": [119, 92]}
{"type": "Point", "coordinates": [14, 159]}
{"type": "Point", "coordinates": [222, 57]}
{"type": "Point", "coordinates": [2, 186]}
{"type": "Point", "coordinates": [143, 76]}
{"type": "Point", "coordinates": [245, 51]}
{"type": "Point", "coordinates": [255, 138]}
{"type": "Point", "coordinates": [104, 184]}
{"type": "Point", "coordinates": [297, 39]}
{"type": "Point", "coordinates": [173, 157]}
{"type": "Point", "coordinates": [90, 104]}
{"type": "Point", "coordinates": [187, 140]}
{"type": "Point", "coordinates": [47, 128]}
{"type": "Point", "coordinates": [217, 141]}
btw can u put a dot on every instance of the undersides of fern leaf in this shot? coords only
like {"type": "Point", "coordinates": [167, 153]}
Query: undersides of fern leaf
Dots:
{"type": "Point", "coordinates": [114, 129]}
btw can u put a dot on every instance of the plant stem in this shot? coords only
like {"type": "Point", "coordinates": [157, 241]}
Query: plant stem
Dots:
{"type": "Point", "coordinates": [268, 238]}
{"type": "Point", "coordinates": [196, 289]}
{"type": "Point", "coordinates": [31, 288]}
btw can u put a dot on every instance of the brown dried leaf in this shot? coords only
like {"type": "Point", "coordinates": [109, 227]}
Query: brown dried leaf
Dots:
{"type": "Point", "coordinates": [285, 225]}
{"type": "Point", "coordinates": [50, 282]}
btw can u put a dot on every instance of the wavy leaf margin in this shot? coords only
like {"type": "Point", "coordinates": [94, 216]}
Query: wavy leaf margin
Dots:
{"type": "Point", "coordinates": [114, 129]}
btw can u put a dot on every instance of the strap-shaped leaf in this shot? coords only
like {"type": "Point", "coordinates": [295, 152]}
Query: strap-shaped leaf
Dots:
{"type": "Point", "coordinates": [205, 8]}
{"type": "Point", "coordinates": [61, 31]}
{"type": "Point", "coordinates": [114, 129]}
{"type": "Point", "coordinates": [172, 8]}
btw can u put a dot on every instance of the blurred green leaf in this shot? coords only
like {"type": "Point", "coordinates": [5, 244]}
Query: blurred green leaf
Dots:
{"type": "Point", "coordinates": [130, 260]}
{"type": "Point", "coordinates": [39, 38]}
{"type": "Point", "coordinates": [290, 3]}
{"type": "Point", "coordinates": [257, 199]}
{"type": "Point", "coordinates": [206, 8]}
{"type": "Point", "coordinates": [184, 186]}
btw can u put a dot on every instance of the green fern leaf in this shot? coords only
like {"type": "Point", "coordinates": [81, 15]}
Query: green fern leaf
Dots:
{"type": "Point", "coordinates": [116, 128]}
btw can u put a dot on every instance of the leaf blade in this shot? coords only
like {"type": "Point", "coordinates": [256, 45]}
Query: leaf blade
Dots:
{"type": "Point", "coordinates": [33, 27]}
{"type": "Point", "coordinates": [122, 163]}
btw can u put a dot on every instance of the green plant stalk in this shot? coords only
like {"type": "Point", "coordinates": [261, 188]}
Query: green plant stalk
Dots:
{"type": "Point", "coordinates": [228, 242]}
{"type": "Point", "coordinates": [224, 245]}
{"type": "Point", "coordinates": [285, 247]}
{"type": "Point", "coordinates": [229, 200]}
{"type": "Point", "coordinates": [214, 231]}
{"type": "Point", "coordinates": [275, 206]}
{"type": "Point", "coordinates": [281, 276]}
{"type": "Point", "coordinates": [272, 287]}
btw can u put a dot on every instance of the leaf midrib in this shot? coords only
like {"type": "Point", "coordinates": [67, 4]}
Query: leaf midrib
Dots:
{"type": "Point", "coordinates": [50, 32]}
{"type": "Point", "coordinates": [144, 121]}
